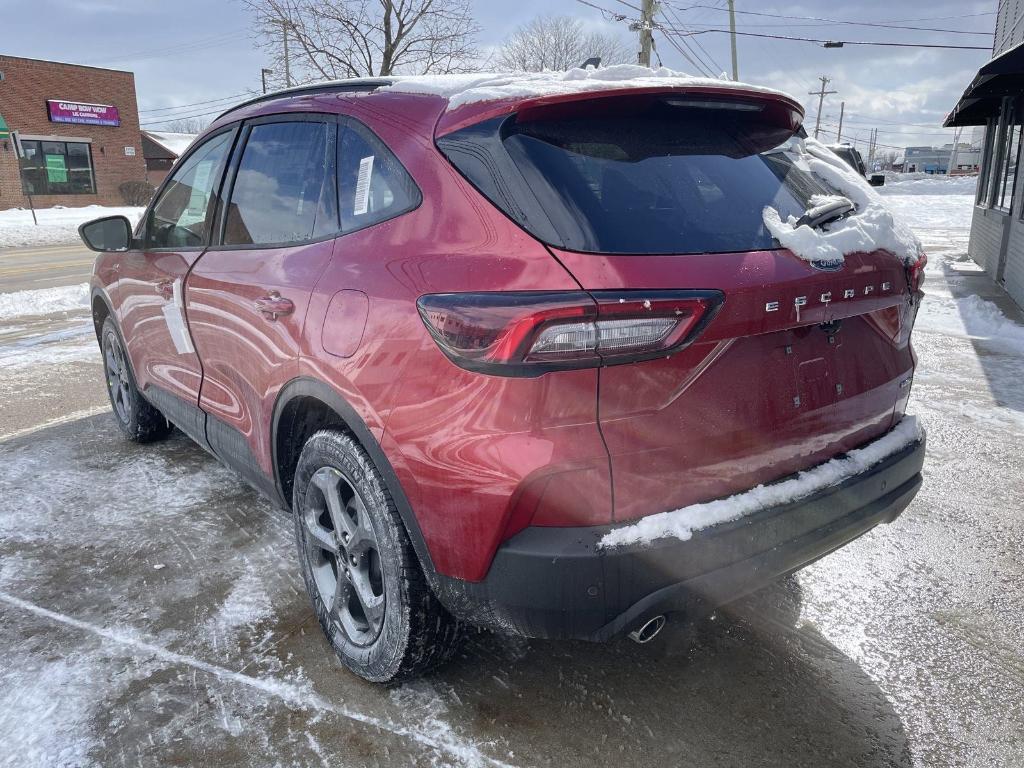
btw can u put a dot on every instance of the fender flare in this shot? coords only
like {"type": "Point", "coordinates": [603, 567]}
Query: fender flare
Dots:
{"type": "Point", "coordinates": [308, 387]}
{"type": "Point", "coordinates": [97, 292]}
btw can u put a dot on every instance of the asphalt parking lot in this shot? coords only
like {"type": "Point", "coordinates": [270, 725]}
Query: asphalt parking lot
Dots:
{"type": "Point", "coordinates": [152, 614]}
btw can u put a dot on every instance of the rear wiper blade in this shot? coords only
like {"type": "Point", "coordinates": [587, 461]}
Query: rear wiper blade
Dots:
{"type": "Point", "coordinates": [834, 208]}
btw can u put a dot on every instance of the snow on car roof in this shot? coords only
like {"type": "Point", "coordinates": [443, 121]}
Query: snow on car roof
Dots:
{"type": "Point", "coordinates": [491, 86]}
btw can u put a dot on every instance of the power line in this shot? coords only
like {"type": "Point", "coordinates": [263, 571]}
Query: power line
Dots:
{"type": "Point", "coordinates": [174, 118]}
{"type": "Point", "coordinates": [173, 50]}
{"type": "Point", "coordinates": [713, 65]}
{"type": "Point", "coordinates": [884, 24]}
{"type": "Point", "coordinates": [841, 43]}
{"type": "Point", "coordinates": [193, 104]}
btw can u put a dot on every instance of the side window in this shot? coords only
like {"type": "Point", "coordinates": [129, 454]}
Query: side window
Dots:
{"type": "Point", "coordinates": [279, 195]}
{"type": "Point", "coordinates": [372, 185]}
{"type": "Point", "coordinates": [179, 217]}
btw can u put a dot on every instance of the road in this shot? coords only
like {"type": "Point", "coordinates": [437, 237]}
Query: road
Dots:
{"type": "Point", "coordinates": [151, 611]}
{"type": "Point", "coordinates": [23, 269]}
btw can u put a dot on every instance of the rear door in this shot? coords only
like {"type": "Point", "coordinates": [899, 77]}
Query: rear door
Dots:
{"type": "Point", "coordinates": [174, 235]}
{"type": "Point", "coordinates": [802, 361]}
{"type": "Point", "coordinates": [247, 295]}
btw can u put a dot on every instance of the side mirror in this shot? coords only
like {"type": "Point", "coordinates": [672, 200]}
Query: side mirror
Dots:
{"type": "Point", "coordinates": [877, 180]}
{"type": "Point", "coordinates": [111, 233]}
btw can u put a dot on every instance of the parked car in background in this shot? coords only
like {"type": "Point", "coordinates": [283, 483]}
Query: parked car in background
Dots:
{"type": "Point", "coordinates": [851, 156]}
{"type": "Point", "coordinates": [469, 343]}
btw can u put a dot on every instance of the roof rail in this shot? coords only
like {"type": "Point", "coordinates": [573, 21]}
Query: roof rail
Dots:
{"type": "Point", "coordinates": [355, 84]}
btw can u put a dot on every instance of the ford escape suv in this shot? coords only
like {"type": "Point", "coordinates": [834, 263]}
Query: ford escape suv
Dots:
{"type": "Point", "coordinates": [473, 337]}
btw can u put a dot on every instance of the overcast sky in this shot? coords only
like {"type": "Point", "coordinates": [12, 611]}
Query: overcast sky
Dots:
{"type": "Point", "coordinates": [190, 51]}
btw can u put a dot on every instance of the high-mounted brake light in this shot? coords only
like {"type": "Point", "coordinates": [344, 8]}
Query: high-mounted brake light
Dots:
{"type": "Point", "coordinates": [530, 333]}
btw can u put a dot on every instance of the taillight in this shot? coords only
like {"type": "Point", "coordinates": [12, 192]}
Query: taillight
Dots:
{"type": "Point", "coordinates": [530, 333]}
{"type": "Point", "coordinates": [915, 272]}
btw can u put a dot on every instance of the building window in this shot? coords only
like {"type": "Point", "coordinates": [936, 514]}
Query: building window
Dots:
{"type": "Point", "coordinates": [1006, 174]}
{"type": "Point", "coordinates": [987, 160]}
{"type": "Point", "coordinates": [57, 168]}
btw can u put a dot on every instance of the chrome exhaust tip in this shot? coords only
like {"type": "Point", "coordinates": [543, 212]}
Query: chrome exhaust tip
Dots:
{"type": "Point", "coordinates": [647, 631]}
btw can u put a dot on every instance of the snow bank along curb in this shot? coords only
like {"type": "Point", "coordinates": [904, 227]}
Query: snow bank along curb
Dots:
{"type": "Point", "coordinates": [57, 225]}
{"type": "Point", "coordinates": [43, 301]}
{"type": "Point", "coordinates": [871, 228]}
{"type": "Point", "coordinates": [492, 86]}
{"type": "Point", "coordinates": [682, 523]}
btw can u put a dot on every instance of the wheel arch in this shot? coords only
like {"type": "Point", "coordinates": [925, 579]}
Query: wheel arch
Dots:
{"type": "Point", "coordinates": [101, 308]}
{"type": "Point", "coordinates": [305, 405]}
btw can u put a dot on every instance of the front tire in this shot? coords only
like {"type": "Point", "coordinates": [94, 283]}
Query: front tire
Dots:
{"type": "Point", "coordinates": [136, 417]}
{"type": "Point", "coordinates": [362, 574]}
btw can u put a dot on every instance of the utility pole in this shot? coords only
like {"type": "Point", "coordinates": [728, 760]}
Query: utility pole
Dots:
{"type": "Point", "coordinates": [821, 100]}
{"type": "Point", "coordinates": [263, 77]}
{"type": "Point", "coordinates": [285, 26]}
{"type": "Point", "coordinates": [839, 133]}
{"type": "Point", "coordinates": [732, 37]}
{"type": "Point", "coordinates": [647, 11]}
{"type": "Point", "coordinates": [871, 146]}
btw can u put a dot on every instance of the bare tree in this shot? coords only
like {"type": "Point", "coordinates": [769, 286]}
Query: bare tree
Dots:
{"type": "Point", "coordinates": [558, 43]}
{"type": "Point", "coordinates": [333, 39]}
{"type": "Point", "coordinates": [185, 125]}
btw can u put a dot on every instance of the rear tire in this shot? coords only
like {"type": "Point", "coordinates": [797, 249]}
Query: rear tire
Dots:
{"type": "Point", "coordinates": [136, 417]}
{"type": "Point", "coordinates": [363, 577]}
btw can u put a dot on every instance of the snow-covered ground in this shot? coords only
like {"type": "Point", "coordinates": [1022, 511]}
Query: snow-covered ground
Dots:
{"type": "Point", "coordinates": [56, 225]}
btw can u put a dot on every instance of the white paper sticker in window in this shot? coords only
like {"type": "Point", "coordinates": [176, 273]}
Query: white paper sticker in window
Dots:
{"type": "Point", "coordinates": [362, 197]}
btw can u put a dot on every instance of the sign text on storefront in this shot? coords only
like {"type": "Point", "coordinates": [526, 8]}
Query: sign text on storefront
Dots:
{"type": "Point", "coordinates": [86, 114]}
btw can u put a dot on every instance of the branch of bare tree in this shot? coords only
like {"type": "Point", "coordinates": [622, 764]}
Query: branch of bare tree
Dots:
{"type": "Point", "coordinates": [334, 39]}
{"type": "Point", "coordinates": [558, 43]}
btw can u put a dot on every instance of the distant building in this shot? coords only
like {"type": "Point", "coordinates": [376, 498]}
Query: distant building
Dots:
{"type": "Point", "coordinates": [936, 159]}
{"type": "Point", "coordinates": [995, 100]}
{"type": "Point", "coordinates": [161, 150]}
{"type": "Point", "coordinates": [69, 135]}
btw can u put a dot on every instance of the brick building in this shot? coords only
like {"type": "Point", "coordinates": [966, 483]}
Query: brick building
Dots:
{"type": "Point", "coordinates": [77, 129]}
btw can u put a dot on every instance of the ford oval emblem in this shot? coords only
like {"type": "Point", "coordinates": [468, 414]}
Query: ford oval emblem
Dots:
{"type": "Point", "coordinates": [828, 265]}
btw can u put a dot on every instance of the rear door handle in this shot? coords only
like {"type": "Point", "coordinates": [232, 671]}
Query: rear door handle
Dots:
{"type": "Point", "coordinates": [274, 305]}
{"type": "Point", "coordinates": [166, 289]}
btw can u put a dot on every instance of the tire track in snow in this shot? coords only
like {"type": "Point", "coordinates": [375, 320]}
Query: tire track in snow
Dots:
{"type": "Point", "coordinates": [298, 696]}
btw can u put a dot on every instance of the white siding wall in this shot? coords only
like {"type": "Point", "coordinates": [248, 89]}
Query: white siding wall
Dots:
{"type": "Point", "coordinates": [989, 227]}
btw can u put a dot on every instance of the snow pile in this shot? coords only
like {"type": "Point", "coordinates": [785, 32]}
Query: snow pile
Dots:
{"type": "Point", "coordinates": [491, 86]}
{"type": "Point", "coordinates": [971, 317]}
{"type": "Point", "coordinates": [44, 301]}
{"type": "Point", "coordinates": [56, 225]}
{"type": "Point", "coordinates": [682, 523]}
{"type": "Point", "coordinates": [927, 184]}
{"type": "Point", "coordinates": [871, 228]}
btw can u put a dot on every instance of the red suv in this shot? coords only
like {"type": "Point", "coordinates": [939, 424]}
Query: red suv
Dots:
{"type": "Point", "coordinates": [473, 343]}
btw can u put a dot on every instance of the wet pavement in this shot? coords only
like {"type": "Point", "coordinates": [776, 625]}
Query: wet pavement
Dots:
{"type": "Point", "coordinates": [151, 611]}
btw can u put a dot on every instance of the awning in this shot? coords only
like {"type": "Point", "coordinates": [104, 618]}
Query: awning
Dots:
{"type": "Point", "coordinates": [5, 132]}
{"type": "Point", "coordinates": [1003, 76]}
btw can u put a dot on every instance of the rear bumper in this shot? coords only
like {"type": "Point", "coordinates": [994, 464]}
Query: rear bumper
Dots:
{"type": "Point", "coordinates": [556, 582]}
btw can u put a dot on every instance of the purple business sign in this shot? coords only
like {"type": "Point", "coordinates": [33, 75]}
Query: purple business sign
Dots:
{"type": "Point", "coordinates": [86, 114]}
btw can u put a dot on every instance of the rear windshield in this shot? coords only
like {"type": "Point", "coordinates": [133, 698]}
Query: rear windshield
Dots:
{"type": "Point", "coordinates": [667, 179]}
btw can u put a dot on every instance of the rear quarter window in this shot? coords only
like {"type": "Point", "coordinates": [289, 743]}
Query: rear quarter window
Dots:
{"type": "Point", "coordinates": [372, 184]}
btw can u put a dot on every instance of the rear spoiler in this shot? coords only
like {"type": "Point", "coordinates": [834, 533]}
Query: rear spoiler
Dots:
{"type": "Point", "coordinates": [778, 108]}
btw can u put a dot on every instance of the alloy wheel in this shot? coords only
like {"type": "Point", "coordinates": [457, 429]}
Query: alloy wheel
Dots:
{"type": "Point", "coordinates": [343, 555]}
{"type": "Point", "coordinates": [118, 381]}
